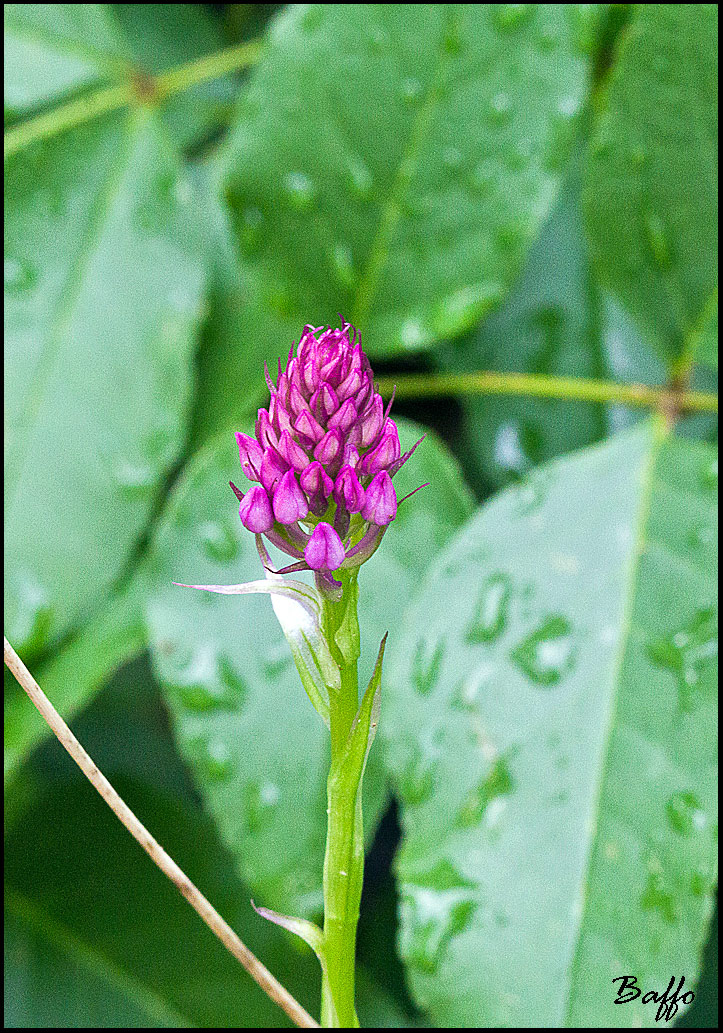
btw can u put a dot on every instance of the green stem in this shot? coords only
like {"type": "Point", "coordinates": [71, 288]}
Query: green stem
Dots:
{"type": "Point", "coordinates": [344, 860]}
{"type": "Point", "coordinates": [424, 385]}
{"type": "Point", "coordinates": [138, 88]}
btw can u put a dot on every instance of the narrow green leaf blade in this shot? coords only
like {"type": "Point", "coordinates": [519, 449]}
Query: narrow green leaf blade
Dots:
{"type": "Point", "coordinates": [552, 734]}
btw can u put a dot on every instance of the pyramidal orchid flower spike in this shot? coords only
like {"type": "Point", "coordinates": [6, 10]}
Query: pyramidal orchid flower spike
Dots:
{"type": "Point", "coordinates": [323, 459]}
{"type": "Point", "coordinates": [322, 464]}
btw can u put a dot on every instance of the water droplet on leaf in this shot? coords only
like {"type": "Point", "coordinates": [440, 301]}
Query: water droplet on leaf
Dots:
{"type": "Point", "coordinates": [435, 908]}
{"type": "Point", "coordinates": [485, 799]}
{"type": "Point", "coordinates": [490, 616]}
{"type": "Point", "coordinates": [549, 653]}
{"type": "Point", "coordinates": [689, 653]}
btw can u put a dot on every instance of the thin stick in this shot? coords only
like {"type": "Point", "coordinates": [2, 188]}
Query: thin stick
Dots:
{"type": "Point", "coordinates": [258, 972]}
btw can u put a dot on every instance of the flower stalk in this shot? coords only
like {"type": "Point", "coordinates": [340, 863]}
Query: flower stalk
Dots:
{"type": "Point", "coordinates": [320, 469]}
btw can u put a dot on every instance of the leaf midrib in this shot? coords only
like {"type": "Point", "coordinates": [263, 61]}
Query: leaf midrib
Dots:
{"type": "Point", "coordinates": [659, 433]}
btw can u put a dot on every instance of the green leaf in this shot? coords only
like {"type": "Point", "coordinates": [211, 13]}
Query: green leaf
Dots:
{"type": "Point", "coordinates": [97, 935]}
{"type": "Point", "coordinates": [258, 751]}
{"type": "Point", "coordinates": [103, 297]}
{"type": "Point", "coordinates": [71, 678]}
{"type": "Point", "coordinates": [52, 50]}
{"type": "Point", "coordinates": [405, 182]}
{"type": "Point", "coordinates": [550, 325]}
{"type": "Point", "coordinates": [552, 733]}
{"type": "Point", "coordinates": [651, 181]}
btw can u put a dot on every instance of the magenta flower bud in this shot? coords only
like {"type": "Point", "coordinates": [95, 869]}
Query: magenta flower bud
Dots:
{"type": "Point", "coordinates": [380, 504]}
{"type": "Point", "coordinates": [273, 468]}
{"type": "Point", "coordinates": [309, 427]}
{"type": "Point", "coordinates": [372, 423]}
{"type": "Point", "coordinates": [292, 452]}
{"type": "Point", "coordinates": [348, 492]}
{"type": "Point", "coordinates": [250, 454]}
{"type": "Point", "coordinates": [315, 480]}
{"type": "Point", "coordinates": [255, 511]}
{"type": "Point", "coordinates": [330, 447]}
{"type": "Point", "coordinates": [344, 417]}
{"type": "Point", "coordinates": [324, 550]}
{"type": "Point", "coordinates": [385, 453]}
{"type": "Point", "coordinates": [290, 503]}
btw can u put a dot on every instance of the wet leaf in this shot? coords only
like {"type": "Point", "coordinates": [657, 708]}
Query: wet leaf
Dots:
{"type": "Point", "coordinates": [651, 183]}
{"type": "Point", "coordinates": [406, 188]}
{"type": "Point", "coordinates": [557, 780]}
{"type": "Point", "coordinates": [103, 297]}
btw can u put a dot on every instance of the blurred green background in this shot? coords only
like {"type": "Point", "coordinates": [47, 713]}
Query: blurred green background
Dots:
{"type": "Point", "coordinates": [520, 189]}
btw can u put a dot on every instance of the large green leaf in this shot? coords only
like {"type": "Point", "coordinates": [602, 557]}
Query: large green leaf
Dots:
{"type": "Point", "coordinates": [551, 727]}
{"type": "Point", "coordinates": [651, 191]}
{"type": "Point", "coordinates": [551, 324]}
{"type": "Point", "coordinates": [396, 161]}
{"type": "Point", "coordinates": [52, 50]}
{"type": "Point", "coordinates": [257, 748]}
{"type": "Point", "coordinates": [103, 296]}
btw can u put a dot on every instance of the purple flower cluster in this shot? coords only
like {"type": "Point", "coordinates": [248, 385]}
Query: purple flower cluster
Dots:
{"type": "Point", "coordinates": [324, 456]}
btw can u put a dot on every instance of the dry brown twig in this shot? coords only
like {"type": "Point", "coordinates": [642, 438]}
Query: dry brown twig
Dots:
{"type": "Point", "coordinates": [258, 972]}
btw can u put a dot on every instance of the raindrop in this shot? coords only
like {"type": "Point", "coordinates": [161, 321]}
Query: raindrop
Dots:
{"type": "Point", "coordinates": [250, 226]}
{"type": "Point", "coordinates": [435, 908]}
{"type": "Point", "coordinates": [299, 191]}
{"type": "Point", "coordinates": [569, 106]}
{"type": "Point", "coordinates": [486, 798]}
{"type": "Point", "coordinates": [343, 264]}
{"type": "Point", "coordinates": [658, 239]}
{"type": "Point", "coordinates": [426, 666]}
{"type": "Point", "coordinates": [260, 803]}
{"type": "Point", "coordinates": [510, 16]}
{"type": "Point", "coordinates": [710, 475]}
{"type": "Point", "coordinates": [212, 758]}
{"type": "Point", "coordinates": [360, 181]}
{"type": "Point", "coordinates": [414, 335]}
{"type": "Point", "coordinates": [703, 536]}
{"type": "Point", "coordinates": [19, 276]}
{"type": "Point", "coordinates": [411, 90]}
{"type": "Point", "coordinates": [517, 446]}
{"type": "Point", "coordinates": [689, 653]}
{"type": "Point", "coordinates": [501, 107]}
{"type": "Point", "coordinates": [417, 780]}
{"type": "Point", "coordinates": [490, 616]}
{"type": "Point", "coordinates": [657, 896]}
{"type": "Point", "coordinates": [208, 682]}
{"type": "Point", "coordinates": [549, 653]}
{"type": "Point", "coordinates": [467, 692]}
{"type": "Point", "coordinates": [30, 617]}
{"type": "Point", "coordinates": [218, 541]}
{"type": "Point", "coordinates": [684, 813]}
{"type": "Point", "coordinates": [134, 478]}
